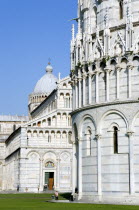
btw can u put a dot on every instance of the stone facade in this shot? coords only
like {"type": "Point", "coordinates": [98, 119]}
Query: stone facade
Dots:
{"type": "Point", "coordinates": [8, 124]}
{"type": "Point", "coordinates": [105, 117]}
{"type": "Point", "coordinates": [38, 155]}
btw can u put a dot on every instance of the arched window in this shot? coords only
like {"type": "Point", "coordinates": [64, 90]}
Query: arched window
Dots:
{"type": "Point", "coordinates": [115, 139]}
{"type": "Point", "coordinates": [39, 124]}
{"type": "Point", "coordinates": [49, 121]}
{"type": "Point", "coordinates": [88, 142]}
{"type": "Point", "coordinates": [70, 136]}
{"type": "Point", "coordinates": [121, 9]}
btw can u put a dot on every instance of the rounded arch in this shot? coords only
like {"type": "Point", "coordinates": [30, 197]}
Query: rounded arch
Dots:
{"type": "Point", "coordinates": [35, 133]}
{"type": "Point", "coordinates": [83, 119]}
{"type": "Point", "coordinates": [41, 133]}
{"type": "Point", "coordinates": [53, 131]}
{"type": "Point", "coordinates": [29, 133]}
{"type": "Point", "coordinates": [112, 126]}
{"type": "Point", "coordinates": [124, 62]}
{"type": "Point", "coordinates": [113, 61]}
{"type": "Point", "coordinates": [132, 126]}
{"type": "Point", "coordinates": [65, 151]}
{"type": "Point", "coordinates": [136, 57]}
{"type": "Point", "coordinates": [33, 152]}
{"type": "Point", "coordinates": [50, 155]}
{"type": "Point", "coordinates": [108, 113]}
{"type": "Point", "coordinates": [64, 85]}
{"type": "Point", "coordinates": [136, 61]}
{"type": "Point", "coordinates": [124, 59]}
{"type": "Point", "coordinates": [67, 94]}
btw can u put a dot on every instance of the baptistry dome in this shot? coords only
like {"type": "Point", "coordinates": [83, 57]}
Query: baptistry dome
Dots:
{"type": "Point", "coordinates": [47, 83]}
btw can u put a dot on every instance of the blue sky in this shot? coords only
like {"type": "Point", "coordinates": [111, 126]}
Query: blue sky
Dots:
{"type": "Point", "coordinates": [31, 31]}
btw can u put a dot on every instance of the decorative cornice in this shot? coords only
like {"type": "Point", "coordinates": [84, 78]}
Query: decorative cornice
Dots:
{"type": "Point", "coordinates": [93, 106]}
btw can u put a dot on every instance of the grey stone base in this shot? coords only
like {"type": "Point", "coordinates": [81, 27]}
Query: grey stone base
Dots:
{"type": "Point", "coordinates": [118, 200]}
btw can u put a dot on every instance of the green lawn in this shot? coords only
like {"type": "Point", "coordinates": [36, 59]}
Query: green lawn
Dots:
{"type": "Point", "coordinates": [39, 201]}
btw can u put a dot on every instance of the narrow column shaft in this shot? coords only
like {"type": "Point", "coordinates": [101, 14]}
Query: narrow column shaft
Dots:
{"type": "Point", "coordinates": [80, 168]}
{"type": "Point", "coordinates": [74, 174]}
{"type": "Point", "coordinates": [41, 175]}
{"type": "Point", "coordinates": [84, 98]}
{"type": "Point", "coordinates": [76, 95]}
{"type": "Point", "coordinates": [107, 85]}
{"type": "Point", "coordinates": [129, 83]}
{"type": "Point", "coordinates": [97, 87]}
{"type": "Point", "coordinates": [57, 175]}
{"type": "Point", "coordinates": [118, 83]}
{"type": "Point", "coordinates": [98, 137]}
{"type": "Point", "coordinates": [90, 94]}
{"type": "Point", "coordinates": [79, 85]}
{"type": "Point", "coordinates": [131, 163]}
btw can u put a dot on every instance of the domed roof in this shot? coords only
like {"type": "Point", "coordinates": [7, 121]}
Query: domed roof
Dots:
{"type": "Point", "coordinates": [47, 83]}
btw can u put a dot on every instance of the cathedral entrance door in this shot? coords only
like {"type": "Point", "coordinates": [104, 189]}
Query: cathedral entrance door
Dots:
{"type": "Point", "coordinates": [49, 180]}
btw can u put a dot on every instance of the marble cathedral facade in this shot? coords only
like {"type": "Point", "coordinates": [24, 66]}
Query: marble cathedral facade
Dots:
{"type": "Point", "coordinates": [105, 116]}
{"type": "Point", "coordinates": [37, 156]}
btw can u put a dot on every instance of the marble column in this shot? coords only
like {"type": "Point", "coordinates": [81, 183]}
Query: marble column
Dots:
{"type": "Point", "coordinates": [41, 175]}
{"type": "Point", "coordinates": [118, 69]}
{"type": "Point", "coordinates": [80, 168]}
{"type": "Point", "coordinates": [84, 87]}
{"type": "Point", "coordinates": [71, 169]}
{"type": "Point", "coordinates": [76, 94]}
{"type": "Point", "coordinates": [74, 167]}
{"type": "Point", "coordinates": [131, 163]}
{"type": "Point", "coordinates": [58, 174]}
{"type": "Point", "coordinates": [90, 86]}
{"type": "Point", "coordinates": [130, 67]}
{"type": "Point", "coordinates": [73, 99]}
{"type": "Point", "coordinates": [80, 94]}
{"type": "Point", "coordinates": [79, 88]}
{"type": "Point", "coordinates": [97, 86]}
{"type": "Point", "coordinates": [107, 70]}
{"type": "Point", "coordinates": [98, 137]}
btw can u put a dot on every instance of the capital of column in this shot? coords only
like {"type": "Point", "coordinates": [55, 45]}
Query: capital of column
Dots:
{"type": "Point", "coordinates": [108, 69]}
{"type": "Point", "coordinates": [58, 159]}
{"type": "Point", "coordinates": [90, 73]}
{"type": "Point", "coordinates": [84, 75]}
{"type": "Point", "coordinates": [130, 133]}
{"type": "Point", "coordinates": [118, 67]}
{"type": "Point", "coordinates": [98, 136]}
{"type": "Point", "coordinates": [79, 78]}
{"type": "Point", "coordinates": [97, 71]}
{"type": "Point", "coordinates": [41, 160]}
{"type": "Point", "coordinates": [130, 65]}
{"type": "Point", "coordinates": [75, 81]}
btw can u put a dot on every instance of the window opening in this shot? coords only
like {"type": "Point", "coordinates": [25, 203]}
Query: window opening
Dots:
{"type": "Point", "coordinates": [115, 139]}
{"type": "Point", "coordinates": [88, 137]}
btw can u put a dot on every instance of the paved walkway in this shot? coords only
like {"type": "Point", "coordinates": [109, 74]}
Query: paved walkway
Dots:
{"type": "Point", "coordinates": [15, 192]}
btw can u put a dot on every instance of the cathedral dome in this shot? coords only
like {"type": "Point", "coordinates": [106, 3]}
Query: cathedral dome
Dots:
{"type": "Point", "coordinates": [47, 83]}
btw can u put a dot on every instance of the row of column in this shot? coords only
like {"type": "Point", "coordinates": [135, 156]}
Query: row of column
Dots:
{"type": "Point", "coordinates": [80, 86]}
{"type": "Point", "coordinates": [78, 167]}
